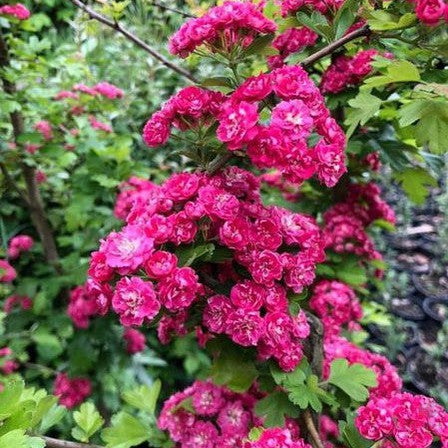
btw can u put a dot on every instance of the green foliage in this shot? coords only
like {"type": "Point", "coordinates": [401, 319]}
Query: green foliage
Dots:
{"type": "Point", "coordinates": [352, 379]}
{"type": "Point", "coordinates": [126, 431]}
{"type": "Point", "coordinates": [144, 397]}
{"type": "Point", "coordinates": [88, 421]}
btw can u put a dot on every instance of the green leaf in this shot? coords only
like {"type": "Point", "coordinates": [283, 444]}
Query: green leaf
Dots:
{"type": "Point", "coordinates": [144, 397]}
{"type": "Point", "coordinates": [52, 417]}
{"type": "Point", "coordinates": [217, 81]}
{"type": "Point", "coordinates": [353, 379]}
{"type": "Point", "coordinates": [48, 345]}
{"type": "Point", "coordinates": [397, 71]}
{"type": "Point", "coordinates": [274, 408]}
{"type": "Point", "coordinates": [259, 45]}
{"type": "Point", "coordinates": [317, 22]}
{"type": "Point", "coordinates": [14, 439]}
{"type": "Point", "coordinates": [89, 421]}
{"type": "Point", "coordinates": [232, 366]}
{"type": "Point", "coordinates": [380, 20]}
{"type": "Point", "coordinates": [188, 255]}
{"type": "Point", "coordinates": [415, 182]}
{"type": "Point", "coordinates": [363, 107]}
{"type": "Point", "coordinates": [351, 271]}
{"type": "Point", "coordinates": [126, 431]}
{"type": "Point", "coordinates": [10, 397]}
{"type": "Point", "coordinates": [345, 17]}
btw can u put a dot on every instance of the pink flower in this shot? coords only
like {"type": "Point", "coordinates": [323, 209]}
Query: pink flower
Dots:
{"type": "Point", "coordinates": [160, 264]}
{"type": "Point", "coordinates": [237, 124]}
{"type": "Point", "coordinates": [157, 130]}
{"type": "Point", "coordinates": [255, 88]}
{"type": "Point", "coordinates": [81, 307]}
{"type": "Point", "coordinates": [294, 118]}
{"type": "Point", "coordinates": [266, 267]}
{"type": "Point", "coordinates": [108, 90]}
{"type": "Point", "coordinates": [430, 11]}
{"type": "Point", "coordinates": [135, 341]}
{"type": "Point", "coordinates": [18, 11]}
{"type": "Point", "coordinates": [71, 392]}
{"type": "Point", "coordinates": [18, 244]}
{"type": "Point", "coordinates": [247, 295]}
{"type": "Point", "coordinates": [63, 94]}
{"type": "Point", "coordinates": [216, 312]}
{"type": "Point", "coordinates": [234, 419]}
{"type": "Point", "coordinates": [245, 327]}
{"type": "Point", "coordinates": [85, 89]}
{"type": "Point", "coordinates": [41, 177]}
{"type": "Point", "coordinates": [180, 187]}
{"type": "Point", "coordinates": [99, 125]}
{"type": "Point", "coordinates": [7, 272]}
{"type": "Point", "coordinates": [98, 268]}
{"type": "Point", "coordinates": [127, 249]}
{"type": "Point", "coordinates": [44, 127]}
{"type": "Point", "coordinates": [180, 289]}
{"type": "Point", "coordinates": [218, 203]}
{"type": "Point", "coordinates": [202, 435]}
{"type": "Point", "coordinates": [135, 300]}
{"type": "Point", "coordinates": [207, 399]}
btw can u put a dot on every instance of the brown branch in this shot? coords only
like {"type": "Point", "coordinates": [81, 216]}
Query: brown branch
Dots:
{"type": "Point", "coordinates": [117, 27]}
{"type": "Point", "coordinates": [56, 443]}
{"type": "Point", "coordinates": [360, 32]}
{"type": "Point", "coordinates": [311, 428]}
{"type": "Point", "coordinates": [34, 200]}
{"type": "Point", "coordinates": [168, 8]}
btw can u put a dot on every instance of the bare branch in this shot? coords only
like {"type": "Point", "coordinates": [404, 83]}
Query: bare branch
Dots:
{"type": "Point", "coordinates": [56, 443]}
{"type": "Point", "coordinates": [117, 27]}
{"type": "Point", "coordinates": [168, 8]}
{"type": "Point", "coordinates": [311, 428]}
{"type": "Point", "coordinates": [363, 31]}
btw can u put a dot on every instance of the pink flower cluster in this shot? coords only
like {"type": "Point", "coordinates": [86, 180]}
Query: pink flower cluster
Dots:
{"type": "Point", "coordinates": [345, 222]}
{"type": "Point", "coordinates": [99, 125]}
{"type": "Point", "coordinates": [221, 29]}
{"type": "Point", "coordinates": [7, 364]}
{"type": "Point", "coordinates": [277, 250]}
{"type": "Point", "coordinates": [71, 391]}
{"type": "Point", "coordinates": [84, 304]}
{"type": "Point", "coordinates": [291, 41]}
{"type": "Point", "coordinates": [431, 12]}
{"type": "Point", "coordinates": [282, 144]}
{"type": "Point", "coordinates": [189, 109]}
{"type": "Point", "coordinates": [388, 379]}
{"type": "Point", "coordinates": [347, 71]}
{"type": "Point", "coordinates": [135, 341]}
{"type": "Point", "coordinates": [18, 11]}
{"type": "Point", "coordinates": [336, 305]}
{"type": "Point", "coordinates": [217, 418]}
{"type": "Point", "coordinates": [19, 244]}
{"type": "Point", "coordinates": [23, 302]}
{"type": "Point", "coordinates": [7, 272]}
{"type": "Point", "coordinates": [277, 438]}
{"type": "Point", "coordinates": [403, 421]}
{"type": "Point", "coordinates": [135, 189]}
{"type": "Point", "coordinates": [44, 128]}
{"type": "Point", "coordinates": [108, 90]}
{"type": "Point", "coordinates": [323, 6]}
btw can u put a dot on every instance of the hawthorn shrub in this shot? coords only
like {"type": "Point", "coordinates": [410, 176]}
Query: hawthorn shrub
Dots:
{"type": "Point", "coordinates": [259, 250]}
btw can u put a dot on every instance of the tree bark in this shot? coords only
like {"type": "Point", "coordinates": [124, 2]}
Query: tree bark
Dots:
{"type": "Point", "coordinates": [33, 198]}
{"type": "Point", "coordinates": [56, 443]}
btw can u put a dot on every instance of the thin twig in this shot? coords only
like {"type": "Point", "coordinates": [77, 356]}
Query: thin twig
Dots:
{"type": "Point", "coordinates": [168, 8]}
{"type": "Point", "coordinates": [309, 423]}
{"type": "Point", "coordinates": [56, 443]}
{"type": "Point", "coordinates": [363, 31]}
{"type": "Point", "coordinates": [117, 27]}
